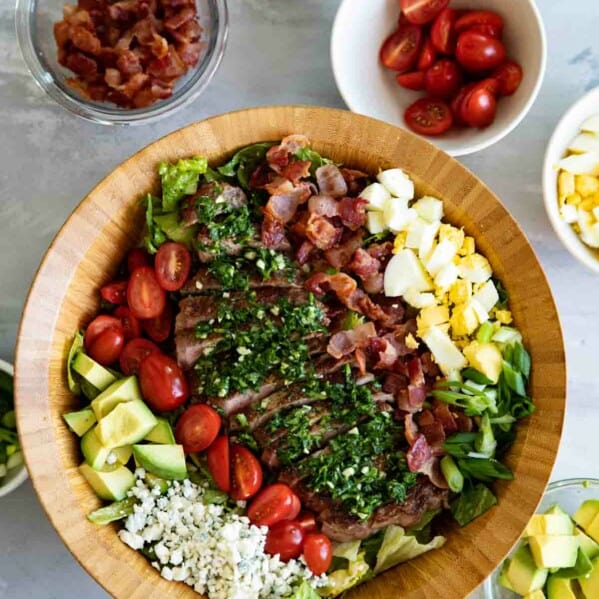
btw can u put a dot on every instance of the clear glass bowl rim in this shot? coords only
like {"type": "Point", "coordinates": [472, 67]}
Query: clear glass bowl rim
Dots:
{"type": "Point", "coordinates": [105, 114]}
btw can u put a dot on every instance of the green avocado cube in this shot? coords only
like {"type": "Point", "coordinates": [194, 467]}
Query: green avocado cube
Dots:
{"type": "Point", "coordinates": [582, 567]}
{"type": "Point", "coordinates": [95, 374]}
{"type": "Point", "coordinates": [93, 451]}
{"type": "Point", "coordinates": [80, 421]}
{"type": "Point", "coordinates": [120, 391]}
{"type": "Point", "coordinates": [111, 483]}
{"type": "Point", "coordinates": [551, 551]}
{"type": "Point", "coordinates": [590, 584]}
{"type": "Point", "coordinates": [590, 547]}
{"type": "Point", "coordinates": [586, 513]}
{"type": "Point", "coordinates": [162, 433]}
{"type": "Point", "coordinates": [549, 524]}
{"type": "Point", "coordinates": [126, 424]}
{"type": "Point", "coordinates": [560, 588]}
{"type": "Point", "coordinates": [523, 574]}
{"type": "Point", "coordinates": [165, 461]}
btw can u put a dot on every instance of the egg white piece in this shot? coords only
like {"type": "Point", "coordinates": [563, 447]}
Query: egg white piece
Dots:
{"type": "Point", "coordinates": [397, 183]}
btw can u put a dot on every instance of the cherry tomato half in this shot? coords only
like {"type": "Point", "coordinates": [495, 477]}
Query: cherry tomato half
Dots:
{"type": "Point", "coordinates": [246, 473]}
{"type": "Point", "coordinates": [307, 520]}
{"type": "Point", "coordinates": [443, 33]}
{"type": "Point", "coordinates": [219, 463]}
{"type": "Point", "coordinates": [134, 353]}
{"type": "Point", "coordinates": [163, 384]}
{"type": "Point", "coordinates": [420, 12]}
{"type": "Point", "coordinates": [97, 326]}
{"type": "Point", "coordinates": [474, 18]}
{"type": "Point", "coordinates": [131, 325]}
{"type": "Point", "coordinates": [285, 538]}
{"type": "Point", "coordinates": [318, 552]}
{"type": "Point", "coordinates": [479, 107]}
{"type": "Point", "coordinates": [428, 116]}
{"type": "Point", "coordinates": [138, 257]}
{"type": "Point", "coordinates": [159, 329]}
{"type": "Point", "coordinates": [107, 346]}
{"type": "Point", "coordinates": [413, 80]}
{"type": "Point", "coordinates": [145, 296]}
{"type": "Point", "coordinates": [477, 52]}
{"type": "Point", "coordinates": [197, 428]}
{"type": "Point", "coordinates": [173, 262]}
{"type": "Point", "coordinates": [443, 79]}
{"type": "Point", "coordinates": [273, 504]}
{"type": "Point", "coordinates": [400, 50]}
{"type": "Point", "coordinates": [115, 293]}
{"type": "Point", "coordinates": [427, 55]}
{"type": "Point", "coordinates": [509, 76]}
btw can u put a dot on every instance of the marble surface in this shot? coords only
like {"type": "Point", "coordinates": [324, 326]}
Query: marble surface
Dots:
{"type": "Point", "coordinates": [277, 54]}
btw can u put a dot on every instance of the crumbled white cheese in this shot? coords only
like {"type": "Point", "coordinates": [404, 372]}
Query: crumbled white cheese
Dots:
{"type": "Point", "coordinates": [209, 547]}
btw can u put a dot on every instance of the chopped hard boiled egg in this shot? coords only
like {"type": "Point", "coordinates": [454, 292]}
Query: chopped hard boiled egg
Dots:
{"type": "Point", "coordinates": [397, 183]}
{"type": "Point", "coordinates": [584, 142]}
{"type": "Point", "coordinates": [475, 268]}
{"type": "Point", "coordinates": [419, 300]}
{"type": "Point", "coordinates": [581, 164]}
{"type": "Point", "coordinates": [375, 222]}
{"type": "Point", "coordinates": [442, 255]}
{"type": "Point", "coordinates": [398, 215]}
{"type": "Point", "coordinates": [447, 276]}
{"type": "Point", "coordinates": [405, 272]}
{"type": "Point", "coordinates": [487, 295]}
{"type": "Point", "coordinates": [445, 352]}
{"type": "Point", "coordinates": [591, 124]}
{"type": "Point", "coordinates": [429, 208]}
{"type": "Point", "coordinates": [377, 196]}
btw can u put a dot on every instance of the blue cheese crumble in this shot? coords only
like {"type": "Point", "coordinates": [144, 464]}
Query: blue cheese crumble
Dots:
{"type": "Point", "coordinates": [209, 547]}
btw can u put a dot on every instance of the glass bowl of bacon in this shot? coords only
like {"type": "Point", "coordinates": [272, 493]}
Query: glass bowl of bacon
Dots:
{"type": "Point", "coordinates": [122, 62]}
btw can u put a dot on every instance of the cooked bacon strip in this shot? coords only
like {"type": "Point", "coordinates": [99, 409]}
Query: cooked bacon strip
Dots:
{"type": "Point", "coordinates": [363, 264]}
{"type": "Point", "coordinates": [345, 342]}
{"type": "Point", "coordinates": [374, 284]}
{"type": "Point", "coordinates": [410, 428]}
{"type": "Point", "coordinates": [296, 170]}
{"type": "Point", "coordinates": [353, 212]}
{"type": "Point", "coordinates": [303, 252]}
{"type": "Point", "coordinates": [323, 205]}
{"type": "Point", "coordinates": [273, 232]}
{"type": "Point", "coordinates": [283, 206]}
{"type": "Point", "coordinates": [418, 454]}
{"type": "Point", "coordinates": [355, 180]}
{"type": "Point", "coordinates": [330, 181]}
{"type": "Point", "coordinates": [278, 156]}
{"type": "Point", "coordinates": [322, 233]}
{"type": "Point", "coordinates": [339, 256]}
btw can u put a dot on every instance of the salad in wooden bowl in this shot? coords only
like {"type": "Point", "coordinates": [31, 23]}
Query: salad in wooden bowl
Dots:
{"type": "Point", "coordinates": [302, 369]}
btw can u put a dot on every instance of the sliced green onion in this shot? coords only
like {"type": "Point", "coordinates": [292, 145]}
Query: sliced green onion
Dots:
{"type": "Point", "coordinates": [485, 332]}
{"type": "Point", "coordinates": [514, 379]}
{"type": "Point", "coordinates": [452, 474]}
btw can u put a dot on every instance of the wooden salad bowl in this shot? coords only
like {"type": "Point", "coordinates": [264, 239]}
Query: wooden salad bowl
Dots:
{"type": "Point", "coordinates": [85, 255]}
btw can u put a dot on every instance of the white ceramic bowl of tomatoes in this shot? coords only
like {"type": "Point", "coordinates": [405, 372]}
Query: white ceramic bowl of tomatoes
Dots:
{"type": "Point", "coordinates": [463, 73]}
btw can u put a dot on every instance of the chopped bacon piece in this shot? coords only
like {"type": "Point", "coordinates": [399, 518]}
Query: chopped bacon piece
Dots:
{"type": "Point", "coordinates": [435, 436]}
{"type": "Point", "coordinates": [260, 177]}
{"type": "Point", "coordinates": [159, 46]}
{"type": "Point", "coordinates": [360, 356]}
{"type": "Point", "coordinates": [323, 205]}
{"type": "Point", "coordinates": [279, 186]}
{"type": "Point", "coordinates": [128, 63]}
{"type": "Point", "coordinates": [445, 417]}
{"type": "Point", "coordinates": [374, 283]}
{"type": "Point", "coordinates": [419, 454]}
{"type": "Point", "coordinates": [387, 353]}
{"type": "Point", "coordinates": [464, 423]}
{"type": "Point", "coordinates": [296, 170]}
{"type": "Point", "coordinates": [411, 429]}
{"type": "Point", "coordinates": [273, 232]}
{"type": "Point", "coordinates": [278, 157]}
{"type": "Point", "coordinates": [82, 65]}
{"type": "Point", "coordinates": [303, 253]}
{"type": "Point", "coordinates": [113, 78]}
{"type": "Point", "coordinates": [381, 251]}
{"type": "Point", "coordinates": [345, 342]}
{"type": "Point", "coordinates": [123, 10]}
{"type": "Point", "coordinates": [135, 83]}
{"type": "Point", "coordinates": [330, 181]}
{"type": "Point", "coordinates": [188, 32]}
{"type": "Point", "coordinates": [61, 33]}
{"type": "Point", "coordinates": [180, 18]}
{"type": "Point", "coordinates": [322, 233]}
{"type": "Point", "coordinates": [363, 264]}
{"type": "Point", "coordinates": [283, 206]}
{"type": "Point", "coordinates": [85, 40]}
{"type": "Point", "coordinates": [353, 212]}
{"type": "Point", "coordinates": [190, 52]}
{"type": "Point", "coordinates": [355, 180]}
{"type": "Point", "coordinates": [169, 67]}
{"type": "Point", "coordinates": [339, 256]}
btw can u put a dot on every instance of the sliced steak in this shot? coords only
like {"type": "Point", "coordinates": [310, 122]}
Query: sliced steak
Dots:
{"type": "Point", "coordinates": [221, 193]}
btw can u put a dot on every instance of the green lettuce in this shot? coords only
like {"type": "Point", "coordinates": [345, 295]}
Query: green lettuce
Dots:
{"type": "Point", "coordinates": [305, 591]}
{"type": "Point", "coordinates": [357, 570]}
{"type": "Point", "coordinates": [180, 179]}
{"type": "Point", "coordinates": [245, 162]}
{"type": "Point", "coordinates": [473, 502]}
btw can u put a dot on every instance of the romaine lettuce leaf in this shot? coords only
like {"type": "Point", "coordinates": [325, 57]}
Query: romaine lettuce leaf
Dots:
{"type": "Point", "coordinates": [341, 580]}
{"type": "Point", "coordinates": [305, 591]}
{"type": "Point", "coordinates": [180, 179]}
{"type": "Point", "coordinates": [472, 502]}
{"type": "Point", "coordinates": [244, 162]}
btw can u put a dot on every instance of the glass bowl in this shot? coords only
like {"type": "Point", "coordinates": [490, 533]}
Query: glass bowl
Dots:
{"type": "Point", "coordinates": [34, 23]}
{"type": "Point", "coordinates": [568, 494]}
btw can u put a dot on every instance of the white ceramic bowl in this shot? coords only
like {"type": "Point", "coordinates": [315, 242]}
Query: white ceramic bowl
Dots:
{"type": "Point", "coordinates": [16, 476]}
{"type": "Point", "coordinates": [565, 132]}
{"type": "Point", "coordinates": [368, 88]}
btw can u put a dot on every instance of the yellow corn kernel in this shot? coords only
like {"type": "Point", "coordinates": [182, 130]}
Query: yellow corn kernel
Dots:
{"type": "Point", "coordinates": [565, 185]}
{"type": "Point", "coordinates": [503, 316]}
{"type": "Point", "coordinates": [400, 242]}
{"type": "Point", "coordinates": [573, 199]}
{"type": "Point", "coordinates": [586, 185]}
{"type": "Point", "coordinates": [461, 291]}
{"type": "Point", "coordinates": [468, 247]}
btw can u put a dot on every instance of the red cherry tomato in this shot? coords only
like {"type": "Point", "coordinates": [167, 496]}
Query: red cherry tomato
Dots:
{"type": "Point", "coordinates": [413, 80]}
{"type": "Point", "coordinates": [115, 293]}
{"type": "Point", "coordinates": [131, 325]}
{"type": "Point", "coordinates": [219, 463]}
{"type": "Point", "coordinates": [474, 18]}
{"type": "Point", "coordinates": [173, 262]}
{"type": "Point", "coordinates": [477, 52]}
{"type": "Point", "coordinates": [197, 428]}
{"type": "Point", "coordinates": [479, 107]}
{"type": "Point", "coordinates": [246, 473]}
{"type": "Point", "coordinates": [107, 346]}
{"type": "Point", "coordinates": [400, 50]}
{"type": "Point", "coordinates": [285, 538]}
{"type": "Point", "coordinates": [508, 76]}
{"type": "Point", "coordinates": [138, 257]}
{"type": "Point", "coordinates": [134, 353]}
{"type": "Point", "coordinates": [420, 12]}
{"type": "Point", "coordinates": [273, 504]}
{"type": "Point", "coordinates": [296, 508]}
{"type": "Point", "coordinates": [443, 79]}
{"type": "Point", "coordinates": [443, 33]}
{"type": "Point", "coordinates": [428, 116]}
{"type": "Point", "coordinates": [163, 384]}
{"type": "Point", "coordinates": [318, 553]}
{"type": "Point", "coordinates": [145, 296]}
{"type": "Point", "coordinates": [307, 520]}
{"type": "Point", "coordinates": [98, 325]}
{"type": "Point", "coordinates": [456, 105]}
{"type": "Point", "coordinates": [490, 84]}
{"type": "Point", "coordinates": [427, 55]}
{"type": "Point", "coordinates": [159, 328]}
{"type": "Point", "coordinates": [488, 30]}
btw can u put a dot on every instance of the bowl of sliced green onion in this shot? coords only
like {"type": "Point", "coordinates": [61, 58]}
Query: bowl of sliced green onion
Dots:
{"type": "Point", "coordinates": [12, 467]}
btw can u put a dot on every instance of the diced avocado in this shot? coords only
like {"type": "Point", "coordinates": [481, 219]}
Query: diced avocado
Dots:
{"type": "Point", "coordinates": [155, 481]}
{"type": "Point", "coordinates": [486, 358]}
{"type": "Point", "coordinates": [94, 452]}
{"type": "Point", "coordinates": [560, 588]}
{"type": "Point", "coordinates": [87, 389]}
{"type": "Point", "coordinates": [111, 483]}
{"type": "Point", "coordinates": [523, 574]}
{"type": "Point", "coordinates": [556, 509]}
{"type": "Point", "coordinates": [582, 567]}
{"type": "Point", "coordinates": [162, 433]}
{"type": "Point", "coordinates": [80, 421]}
{"type": "Point", "coordinates": [586, 513]}
{"type": "Point", "coordinates": [114, 511]}
{"type": "Point", "coordinates": [128, 423]}
{"type": "Point", "coordinates": [535, 595]}
{"type": "Point", "coordinates": [503, 579]}
{"type": "Point", "coordinates": [592, 529]}
{"type": "Point", "coordinates": [72, 380]}
{"type": "Point", "coordinates": [169, 223]}
{"type": "Point", "coordinates": [554, 551]}
{"type": "Point", "coordinates": [122, 454]}
{"type": "Point", "coordinates": [126, 389]}
{"type": "Point", "coordinates": [549, 524]}
{"type": "Point", "coordinates": [590, 585]}
{"type": "Point", "coordinates": [92, 372]}
{"type": "Point", "coordinates": [590, 547]}
{"type": "Point", "coordinates": [166, 461]}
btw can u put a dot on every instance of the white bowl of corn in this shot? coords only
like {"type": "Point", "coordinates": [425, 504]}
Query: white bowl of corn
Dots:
{"type": "Point", "coordinates": [571, 180]}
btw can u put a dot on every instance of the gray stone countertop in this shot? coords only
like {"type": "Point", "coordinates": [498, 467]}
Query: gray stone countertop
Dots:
{"type": "Point", "coordinates": [278, 53]}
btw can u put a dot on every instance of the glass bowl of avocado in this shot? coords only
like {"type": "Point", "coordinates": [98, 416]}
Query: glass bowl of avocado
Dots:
{"type": "Point", "coordinates": [12, 468]}
{"type": "Point", "coordinates": [558, 554]}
